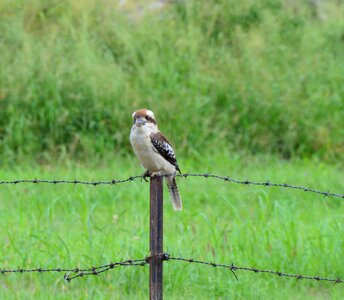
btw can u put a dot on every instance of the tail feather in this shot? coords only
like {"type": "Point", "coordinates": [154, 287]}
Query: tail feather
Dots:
{"type": "Point", "coordinates": [174, 193]}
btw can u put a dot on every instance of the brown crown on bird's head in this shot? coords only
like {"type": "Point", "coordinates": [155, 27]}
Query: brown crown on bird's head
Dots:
{"type": "Point", "coordinates": [143, 116]}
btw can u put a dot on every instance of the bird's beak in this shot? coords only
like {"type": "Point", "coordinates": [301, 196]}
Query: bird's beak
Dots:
{"type": "Point", "coordinates": [140, 121]}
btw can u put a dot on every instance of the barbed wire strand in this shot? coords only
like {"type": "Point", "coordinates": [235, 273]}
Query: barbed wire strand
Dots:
{"type": "Point", "coordinates": [75, 181]}
{"type": "Point", "coordinates": [185, 175]}
{"type": "Point", "coordinates": [234, 268]}
{"type": "Point", "coordinates": [78, 272]}
{"type": "Point", "coordinates": [99, 270]}
{"type": "Point", "coordinates": [94, 271]}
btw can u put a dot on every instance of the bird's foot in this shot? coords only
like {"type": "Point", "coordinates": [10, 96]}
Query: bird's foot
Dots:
{"type": "Point", "coordinates": [146, 175]}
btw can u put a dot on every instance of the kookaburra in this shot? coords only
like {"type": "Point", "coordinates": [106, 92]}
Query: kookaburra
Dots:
{"type": "Point", "coordinates": [155, 152]}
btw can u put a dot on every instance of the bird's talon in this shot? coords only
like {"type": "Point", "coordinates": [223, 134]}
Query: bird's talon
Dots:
{"type": "Point", "coordinates": [146, 175]}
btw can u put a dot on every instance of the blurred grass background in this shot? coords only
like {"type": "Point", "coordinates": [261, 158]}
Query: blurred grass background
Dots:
{"type": "Point", "coordinates": [260, 76]}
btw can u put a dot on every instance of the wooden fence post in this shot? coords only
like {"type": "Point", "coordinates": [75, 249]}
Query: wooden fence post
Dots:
{"type": "Point", "coordinates": [156, 238]}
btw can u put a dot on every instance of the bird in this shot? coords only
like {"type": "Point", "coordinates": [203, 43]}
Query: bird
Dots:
{"type": "Point", "coordinates": [155, 152]}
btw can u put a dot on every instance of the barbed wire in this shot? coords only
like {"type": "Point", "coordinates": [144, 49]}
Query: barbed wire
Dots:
{"type": "Point", "coordinates": [94, 271]}
{"type": "Point", "coordinates": [74, 182]}
{"type": "Point", "coordinates": [184, 175]}
{"type": "Point", "coordinates": [264, 183]}
{"type": "Point", "coordinates": [98, 270]}
{"type": "Point", "coordinates": [78, 272]}
{"type": "Point", "coordinates": [234, 268]}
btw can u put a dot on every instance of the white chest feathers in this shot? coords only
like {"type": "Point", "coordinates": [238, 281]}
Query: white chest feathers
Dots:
{"type": "Point", "coordinates": [149, 158]}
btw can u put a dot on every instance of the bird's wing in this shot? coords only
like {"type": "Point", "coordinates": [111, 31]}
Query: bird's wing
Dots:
{"type": "Point", "coordinates": [162, 146]}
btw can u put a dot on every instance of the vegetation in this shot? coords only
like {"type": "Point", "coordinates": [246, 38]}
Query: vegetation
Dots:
{"type": "Point", "coordinates": [250, 89]}
{"type": "Point", "coordinates": [272, 228]}
{"type": "Point", "coordinates": [255, 76]}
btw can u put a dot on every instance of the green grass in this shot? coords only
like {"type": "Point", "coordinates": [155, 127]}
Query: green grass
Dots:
{"type": "Point", "coordinates": [264, 76]}
{"type": "Point", "coordinates": [269, 228]}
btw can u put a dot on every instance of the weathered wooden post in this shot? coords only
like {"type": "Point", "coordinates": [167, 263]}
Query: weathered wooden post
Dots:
{"type": "Point", "coordinates": [156, 238]}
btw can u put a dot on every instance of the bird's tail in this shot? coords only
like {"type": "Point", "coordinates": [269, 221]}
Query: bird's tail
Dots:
{"type": "Point", "coordinates": [174, 193]}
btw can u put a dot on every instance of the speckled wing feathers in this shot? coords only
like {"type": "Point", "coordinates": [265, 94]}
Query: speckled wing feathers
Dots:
{"type": "Point", "coordinates": [162, 146]}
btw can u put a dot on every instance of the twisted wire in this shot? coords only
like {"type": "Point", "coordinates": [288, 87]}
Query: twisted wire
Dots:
{"type": "Point", "coordinates": [185, 175]}
{"type": "Point", "coordinates": [73, 273]}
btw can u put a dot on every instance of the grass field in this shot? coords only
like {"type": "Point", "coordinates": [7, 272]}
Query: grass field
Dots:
{"type": "Point", "coordinates": [67, 226]}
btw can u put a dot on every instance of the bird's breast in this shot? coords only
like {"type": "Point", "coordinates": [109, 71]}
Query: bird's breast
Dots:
{"type": "Point", "coordinates": [147, 155]}
{"type": "Point", "coordinates": [139, 139]}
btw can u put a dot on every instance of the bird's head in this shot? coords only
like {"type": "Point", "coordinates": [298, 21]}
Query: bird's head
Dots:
{"type": "Point", "coordinates": [144, 117]}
